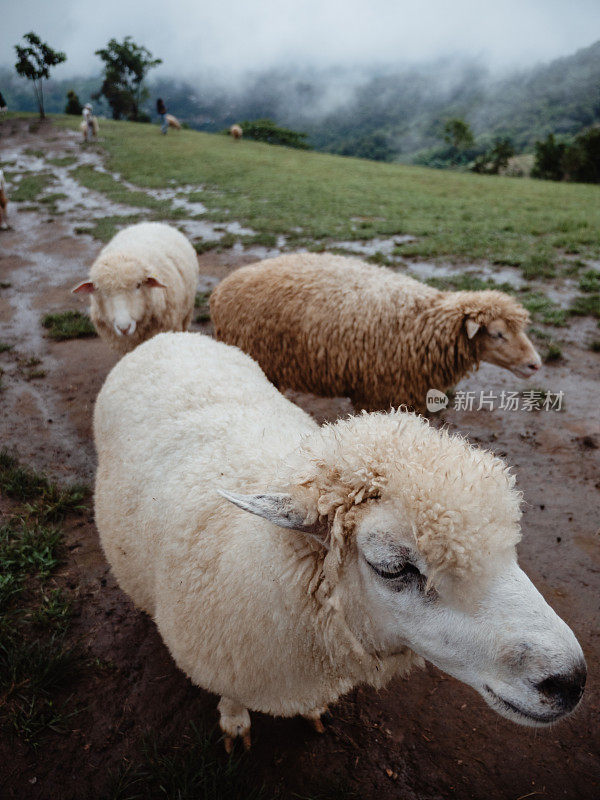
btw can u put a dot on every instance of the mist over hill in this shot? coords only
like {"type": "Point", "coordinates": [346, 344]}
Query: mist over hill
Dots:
{"type": "Point", "coordinates": [399, 110]}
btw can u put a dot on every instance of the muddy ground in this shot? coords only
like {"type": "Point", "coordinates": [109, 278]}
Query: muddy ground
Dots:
{"type": "Point", "coordinates": [425, 737]}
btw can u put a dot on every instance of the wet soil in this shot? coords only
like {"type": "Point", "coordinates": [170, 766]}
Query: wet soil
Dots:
{"type": "Point", "coordinates": [426, 737]}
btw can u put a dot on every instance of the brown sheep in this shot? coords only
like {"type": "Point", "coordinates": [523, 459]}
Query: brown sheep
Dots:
{"type": "Point", "coordinates": [236, 131]}
{"type": "Point", "coordinates": [336, 326]}
{"type": "Point", "coordinates": [173, 122]}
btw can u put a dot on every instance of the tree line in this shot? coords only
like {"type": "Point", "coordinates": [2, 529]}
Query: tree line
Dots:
{"type": "Point", "coordinates": [126, 65]}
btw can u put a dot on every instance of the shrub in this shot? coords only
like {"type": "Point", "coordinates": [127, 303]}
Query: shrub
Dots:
{"type": "Point", "coordinates": [73, 104]}
{"type": "Point", "coordinates": [265, 130]}
{"type": "Point", "coordinates": [582, 159]}
{"type": "Point", "coordinates": [549, 159]}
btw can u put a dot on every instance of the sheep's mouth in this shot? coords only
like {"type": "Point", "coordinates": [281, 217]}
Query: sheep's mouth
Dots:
{"type": "Point", "coordinates": [525, 717]}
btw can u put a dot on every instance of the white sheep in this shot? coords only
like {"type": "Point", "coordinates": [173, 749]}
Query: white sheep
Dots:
{"type": "Point", "coordinates": [236, 132]}
{"type": "Point", "coordinates": [336, 326]}
{"type": "Point", "coordinates": [89, 124]}
{"type": "Point", "coordinates": [368, 544]}
{"type": "Point", "coordinates": [143, 282]}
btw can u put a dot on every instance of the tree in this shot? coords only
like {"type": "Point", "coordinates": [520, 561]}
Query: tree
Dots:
{"type": "Point", "coordinates": [458, 134]}
{"type": "Point", "coordinates": [375, 146]}
{"type": "Point", "coordinates": [549, 157]}
{"type": "Point", "coordinates": [126, 64]}
{"type": "Point", "coordinates": [495, 159]}
{"type": "Point", "coordinates": [73, 103]}
{"type": "Point", "coordinates": [34, 62]}
{"type": "Point", "coordinates": [582, 158]}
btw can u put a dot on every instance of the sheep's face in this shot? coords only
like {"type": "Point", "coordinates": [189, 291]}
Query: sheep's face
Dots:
{"type": "Point", "coordinates": [122, 306]}
{"type": "Point", "coordinates": [504, 347]}
{"type": "Point", "coordinates": [492, 630]}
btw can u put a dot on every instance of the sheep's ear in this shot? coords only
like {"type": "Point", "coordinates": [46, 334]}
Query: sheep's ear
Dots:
{"type": "Point", "coordinates": [472, 328]}
{"type": "Point", "coordinates": [154, 284]}
{"type": "Point", "coordinates": [87, 287]}
{"type": "Point", "coordinates": [279, 508]}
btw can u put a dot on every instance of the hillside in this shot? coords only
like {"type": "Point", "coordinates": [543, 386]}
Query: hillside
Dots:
{"type": "Point", "coordinates": [327, 199]}
{"type": "Point", "coordinates": [403, 108]}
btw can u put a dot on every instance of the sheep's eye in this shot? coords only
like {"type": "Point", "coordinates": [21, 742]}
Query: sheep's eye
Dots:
{"type": "Point", "coordinates": [405, 570]}
{"type": "Point", "coordinates": [139, 286]}
{"type": "Point", "coordinates": [499, 335]}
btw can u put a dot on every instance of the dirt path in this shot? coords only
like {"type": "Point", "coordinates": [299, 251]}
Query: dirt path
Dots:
{"type": "Point", "coordinates": [427, 737]}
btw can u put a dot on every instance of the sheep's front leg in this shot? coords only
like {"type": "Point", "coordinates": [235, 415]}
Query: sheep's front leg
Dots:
{"type": "Point", "coordinates": [316, 717]}
{"type": "Point", "coordinates": [234, 722]}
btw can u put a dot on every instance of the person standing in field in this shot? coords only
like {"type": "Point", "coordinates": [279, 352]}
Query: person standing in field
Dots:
{"type": "Point", "coordinates": [161, 110]}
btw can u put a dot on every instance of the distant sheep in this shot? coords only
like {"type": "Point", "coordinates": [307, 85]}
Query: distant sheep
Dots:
{"type": "Point", "coordinates": [236, 131]}
{"type": "Point", "coordinates": [143, 282]}
{"type": "Point", "coordinates": [3, 203]}
{"type": "Point", "coordinates": [337, 326]}
{"type": "Point", "coordinates": [285, 563]}
{"type": "Point", "coordinates": [89, 124]}
{"type": "Point", "coordinates": [173, 122]}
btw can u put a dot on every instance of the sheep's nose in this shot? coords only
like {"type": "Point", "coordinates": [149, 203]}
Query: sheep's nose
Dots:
{"type": "Point", "coordinates": [564, 691]}
{"type": "Point", "coordinates": [123, 330]}
{"type": "Point", "coordinates": [533, 366]}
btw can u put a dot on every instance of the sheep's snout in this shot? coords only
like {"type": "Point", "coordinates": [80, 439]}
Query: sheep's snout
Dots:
{"type": "Point", "coordinates": [564, 691]}
{"type": "Point", "coordinates": [126, 329]}
{"type": "Point", "coordinates": [530, 366]}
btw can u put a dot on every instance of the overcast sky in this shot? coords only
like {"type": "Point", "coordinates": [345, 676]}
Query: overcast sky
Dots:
{"type": "Point", "coordinates": [232, 37]}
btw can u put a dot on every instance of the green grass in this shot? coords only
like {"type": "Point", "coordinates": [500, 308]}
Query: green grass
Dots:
{"type": "Point", "coordinates": [544, 310]}
{"type": "Point", "coordinates": [195, 768]}
{"type": "Point", "coordinates": [31, 187]}
{"type": "Point", "coordinates": [538, 265]}
{"type": "Point", "coordinates": [586, 305]}
{"type": "Point", "coordinates": [467, 282]}
{"type": "Point", "coordinates": [98, 181]}
{"type": "Point", "coordinates": [25, 549]}
{"type": "Point", "coordinates": [51, 199]}
{"type": "Point", "coordinates": [275, 190]}
{"type": "Point", "coordinates": [590, 281]}
{"type": "Point", "coordinates": [68, 325]}
{"type": "Point", "coordinates": [40, 498]}
{"type": "Point", "coordinates": [203, 246]}
{"type": "Point", "coordinates": [202, 306]}
{"type": "Point", "coordinates": [36, 660]}
{"type": "Point", "coordinates": [4, 348]}
{"type": "Point", "coordinates": [553, 352]}
{"type": "Point", "coordinates": [104, 228]}
{"type": "Point", "coordinates": [64, 161]}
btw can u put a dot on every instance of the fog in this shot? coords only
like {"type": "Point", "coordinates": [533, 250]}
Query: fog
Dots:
{"type": "Point", "coordinates": [223, 41]}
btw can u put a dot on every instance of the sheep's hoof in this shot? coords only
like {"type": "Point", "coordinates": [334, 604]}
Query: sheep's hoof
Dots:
{"type": "Point", "coordinates": [235, 723]}
{"type": "Point", "coordinates": [316, 718]}
{"type": "Point", "coordinates": [229, 742]}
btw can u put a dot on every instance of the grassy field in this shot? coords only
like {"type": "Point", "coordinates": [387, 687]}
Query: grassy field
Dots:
{"type": "Point", "coordinates": [316, 198]}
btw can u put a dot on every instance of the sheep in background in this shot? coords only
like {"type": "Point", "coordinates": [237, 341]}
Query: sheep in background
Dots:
{"type": "Point", "coordinates": [173, 122]}
{"type": "Point", "coordinates": [336, 326]}
{"type": "Point", "coordinates": [143, 282]}
{"type": "Point", "coordinates": [3, 203]}
{"type": "Point", "coordinates": [285, 563]}
{"type": "Point", "coordinates": [236, 131]}
{"type": "Point", "coordinates": [89, 124]}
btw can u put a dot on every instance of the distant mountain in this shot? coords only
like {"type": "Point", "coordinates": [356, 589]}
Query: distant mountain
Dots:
{"type": "Point", "coordinates": [393, 114]}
